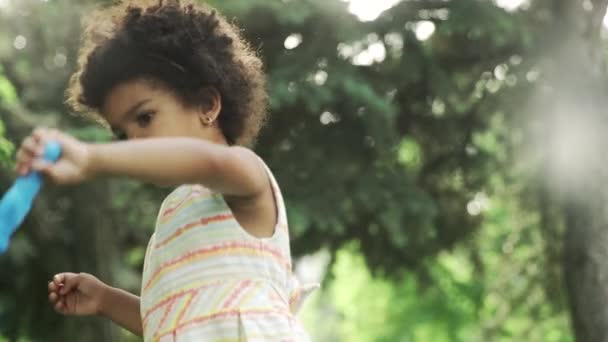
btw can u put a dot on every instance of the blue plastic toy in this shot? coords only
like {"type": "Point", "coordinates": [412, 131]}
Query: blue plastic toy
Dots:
{"type": "Point", "coordinates": [18, 200]}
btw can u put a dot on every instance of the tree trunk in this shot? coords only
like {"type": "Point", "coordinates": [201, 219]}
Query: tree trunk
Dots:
{"type": "Point", "coordinates": [586, 267]}
{"type": "Point", "coordinates": [576, 126]}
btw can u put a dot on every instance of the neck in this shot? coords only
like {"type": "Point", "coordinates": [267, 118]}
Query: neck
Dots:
{"type": "Point", "coordinates": [216, 136]}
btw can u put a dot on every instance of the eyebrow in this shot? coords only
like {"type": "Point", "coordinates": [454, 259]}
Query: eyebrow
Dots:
{"type": "Point", "coordinates": [131, 112]}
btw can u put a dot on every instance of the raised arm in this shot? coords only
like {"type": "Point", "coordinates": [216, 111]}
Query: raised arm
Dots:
{"type": "Point", "coordinates": [234, 171]}
{"type": "Point", "coordinates": [229, 170]}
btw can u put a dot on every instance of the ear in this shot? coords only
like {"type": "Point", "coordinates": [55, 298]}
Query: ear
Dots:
{"type": "Point", "coordinates": [211, 107]}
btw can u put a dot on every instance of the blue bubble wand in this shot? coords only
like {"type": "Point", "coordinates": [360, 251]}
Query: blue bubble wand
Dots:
{"type": "Point", "coordinates": [18, 200]}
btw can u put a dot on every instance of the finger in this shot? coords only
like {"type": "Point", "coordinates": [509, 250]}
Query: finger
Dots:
{"type": "Point", "coordinates": [70, 282]}
{"type": "Point", "coordinates": [59, 278]}
{"type": "Point", "coordinates": [53, 287]}
{"type": "Point", "coordinates": [24, 161]}
{"type": "Point", "coordinates": [22, 165]}
{"type": "Point", "coordinates": [53, 297]}
{"type": "Point", "coordinates": [41, 165]}
{"type": "Point", "coordinates": [40, 133]}
{"type": "Point", "coordinates": [31, 146]}
{"type": "Point", "coordinates": [50, 170]}
{"type": "Point", "coordinates": [59, 307]}
{"type": "Point", "coordinates": [44, 135]}
{"type": "Point", "coordinates": [23, 156]}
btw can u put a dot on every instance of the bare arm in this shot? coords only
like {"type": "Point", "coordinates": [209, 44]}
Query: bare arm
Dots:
{"type": "Point", "coordinates": [229, 170]}
{"type": "Point", "coordinates": [234, 171]}
{"type": "Point", "coordinates": [82, 294]}
{"type": "Point", "coordinates": [122, 308]}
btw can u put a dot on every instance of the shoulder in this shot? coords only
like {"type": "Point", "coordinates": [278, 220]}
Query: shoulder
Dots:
{"type": "Point", "coordinates": [242, 172]}
{"type": "Point", "coordinates": [246, 159]}
{"type": "Point", "coordinates": [244, 153]}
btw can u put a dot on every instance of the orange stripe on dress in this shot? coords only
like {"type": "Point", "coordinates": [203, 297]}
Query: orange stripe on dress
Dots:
{"type": "Point", "coordinates": [203, 221]}
{"type": "Point", "coordinates": [236, 293]}
{"type": "Point", "coordinates": [192, 193]}
{"type": "Point", "coordinates": [226, 314]}
{"type": "Point", "coordinates": [167, 301]}
{"type": "Point", "coordinates": [188, 199]}
{"type": "Point", "coordinates": [253, 291]}
{"type": "Point", "coordinates": [164, 318]}
{"type": "Point", "coordinates": [177, 295]}
{"type": "Point", "coordinates": [185, 307]}
{"type": "Point", "coordinates": [214, 250]}
{"type": "Point", "coordinates": [294, 299]}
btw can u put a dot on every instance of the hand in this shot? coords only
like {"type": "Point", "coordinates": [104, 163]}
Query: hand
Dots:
{"type": "Point", "coordinates": [74, 166]}
{"type": "Point", "coordinates": [77, 294]}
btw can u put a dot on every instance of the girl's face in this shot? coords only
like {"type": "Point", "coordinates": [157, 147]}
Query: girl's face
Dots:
{"type": "Point", "coordinates": [141, 109]}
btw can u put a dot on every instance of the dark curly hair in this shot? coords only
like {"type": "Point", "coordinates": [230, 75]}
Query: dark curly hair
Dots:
{"type": "Point", "coordinates": [185, 47]}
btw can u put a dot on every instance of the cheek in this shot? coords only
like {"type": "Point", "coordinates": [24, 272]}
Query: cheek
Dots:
{"type": "Point", "coordinates": [175, 124]}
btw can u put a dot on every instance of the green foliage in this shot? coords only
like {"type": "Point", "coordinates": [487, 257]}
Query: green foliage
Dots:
{"type": "Point", "coordinates": [6, 148]}
{"type": "Point", "coordinates": [8, 95]}
{"type": "Point", "coordinates": [488, 289]}
{"type": "Point", "coordinates": [91, 133]}
{"type": "Point", "coordinates": [366, 308]}
{"type": "Point", "coordinates": [410, 154]}
{"type": "Point", "coordinates": [387, 163]}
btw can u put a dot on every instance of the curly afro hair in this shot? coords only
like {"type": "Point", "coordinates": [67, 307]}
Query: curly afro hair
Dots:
{"type": "Point", "coordinates": [185, 47]}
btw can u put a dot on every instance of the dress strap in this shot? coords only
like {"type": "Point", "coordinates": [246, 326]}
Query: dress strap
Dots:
{"type": "Point", "coordinates": [278, 196]}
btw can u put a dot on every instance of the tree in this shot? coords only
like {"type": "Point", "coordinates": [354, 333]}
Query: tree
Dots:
{"type": "Point", "coordinates": [378, 135]}
{"type": "Point", "coordinates": [576, 160]}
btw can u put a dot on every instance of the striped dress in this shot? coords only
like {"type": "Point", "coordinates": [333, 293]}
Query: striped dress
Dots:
{"type": "Point", "coordinates": [206, 279]}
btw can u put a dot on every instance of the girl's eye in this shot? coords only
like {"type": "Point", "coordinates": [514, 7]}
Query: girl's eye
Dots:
{"type": "Point", "coordinates": [144, 119]}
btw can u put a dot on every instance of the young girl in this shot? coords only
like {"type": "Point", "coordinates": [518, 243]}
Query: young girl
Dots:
{"type": "Point", "coordinates": [179, 83]}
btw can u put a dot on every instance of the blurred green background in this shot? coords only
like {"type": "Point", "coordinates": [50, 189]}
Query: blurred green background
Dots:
{"type": "Point", "coordinates": [442, 163]}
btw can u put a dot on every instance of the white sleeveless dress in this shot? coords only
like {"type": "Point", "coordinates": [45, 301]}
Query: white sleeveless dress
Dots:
{"type": "Point", "coordinates": [206, 279]}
